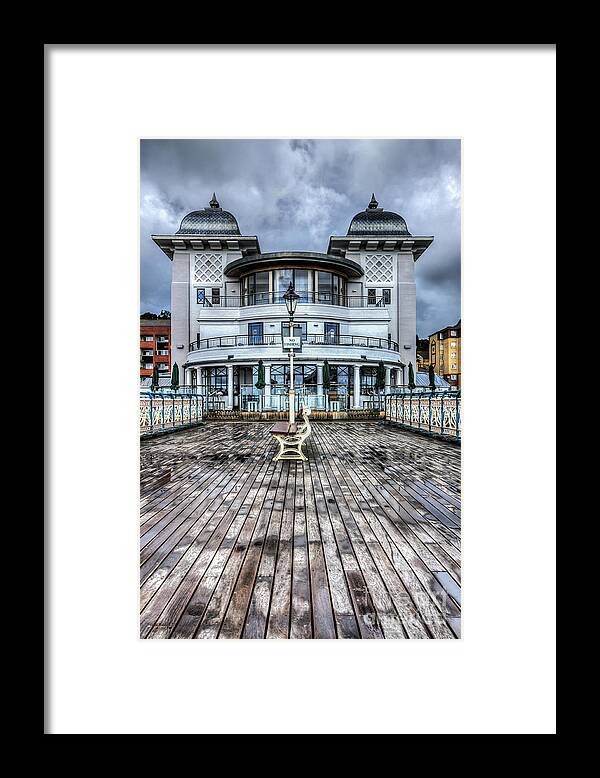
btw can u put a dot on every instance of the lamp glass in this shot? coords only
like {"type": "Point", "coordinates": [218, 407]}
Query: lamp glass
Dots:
{"type": "Point", "coordinates": [291, 300]}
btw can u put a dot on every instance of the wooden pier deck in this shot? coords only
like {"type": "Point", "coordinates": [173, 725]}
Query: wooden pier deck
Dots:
{"type": "Point", "coordinates": [361, 541]}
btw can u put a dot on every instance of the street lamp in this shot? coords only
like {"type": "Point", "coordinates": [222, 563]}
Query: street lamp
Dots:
{"type": "Point", "coordinates": [291, 301]}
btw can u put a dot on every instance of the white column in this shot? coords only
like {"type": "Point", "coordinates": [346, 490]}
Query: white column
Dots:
{"type": "Point", "coordinates": [320, 390]}
{"type": "Point", "coordinates": [267, 389]}
{"type": "Point", "coordinates": [388, 378]}
{"type": "Point", "coordinates": [230, 387]}
{"type": "Point", "coordinates": [357, 403]}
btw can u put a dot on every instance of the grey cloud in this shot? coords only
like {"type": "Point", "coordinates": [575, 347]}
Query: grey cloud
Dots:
{"type": "Point", "coordinates": [295, 193]}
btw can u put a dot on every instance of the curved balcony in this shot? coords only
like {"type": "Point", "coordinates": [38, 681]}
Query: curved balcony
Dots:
{"type": "Point", "coordinates": [274, 341]}
{"type": "Point", "coordinates": [275, 298]}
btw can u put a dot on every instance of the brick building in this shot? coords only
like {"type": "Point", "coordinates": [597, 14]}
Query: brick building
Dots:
{"type": "Point", "coordinates": [445, 353]}
{"type": "Point", "coordinates": [155, 346]}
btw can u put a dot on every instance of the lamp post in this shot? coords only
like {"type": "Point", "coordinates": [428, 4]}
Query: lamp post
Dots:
{"type": "Point", "coordinates": [291, 301]}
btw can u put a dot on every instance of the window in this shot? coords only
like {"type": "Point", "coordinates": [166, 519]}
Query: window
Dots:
{"type": "Point", "coordinates": [285, 277]}
{"type": "Point", "coordinates": [147, 337]}
{"type": "Point", "coordinates": [371, 296]}
{"type": "Point", "coordinates": [255, 289]}
{"type": "Point", "coordinates": [452, 333]}
{"type": "Point", "coordinates": [387, 296]}
{"type": "Point", "coordinates": [368, 378]}
{"type": "Point", "coordinates": [332, 332]}
{"type": "Point", "coordinates": [255, 333]}
{"type": "Point", "coordinates": [304, 375]}
{"type": "Point", "coordinates": [453, 377]}
{"type": "Point", "coordinates": [200, 296]}
{"type": "Point", "coordinates": [331, 288]}
{"type": "Point", "coordinates": [217, 379]}
{"type": "Point", "coordinates": [453, 344]}
{"type": "Point", "coordinates": [453, 367]}
{"type": "Point", "coordinates": [216, 296]}
{"type": "Point", "coordinates": [299, 329]}
{"type": "Point", "coordinates": [301, 284]}
{"type": "Point", "coordinates": [341, 375]}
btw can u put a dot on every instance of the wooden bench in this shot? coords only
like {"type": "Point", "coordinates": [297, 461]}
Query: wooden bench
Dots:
{"type": "Point", "coordinates": [291, 436]}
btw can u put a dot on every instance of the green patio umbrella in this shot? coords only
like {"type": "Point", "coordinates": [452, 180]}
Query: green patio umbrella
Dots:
{"type": "Point", "coordinates": [431, 378]}
{"type": "Point", "coordinates": [326, 376]}
{"type": "Point", "coordinates": [175, 377]}
{"type": "Point", "coordinates": [155, 380]}
{"type": "Point", "coordinates": [260, 382]}
{"type": "Point", "coordinates": [380, 377]}
{"type": "Point", "coordinates": [411, 377]}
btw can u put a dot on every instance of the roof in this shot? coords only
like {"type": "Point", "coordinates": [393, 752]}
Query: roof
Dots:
{"type": "Point", "coordinates": [327, 262]}
{"type": "Point", "coordinates": [209, 221]}
{"type": "Point", "coordinates": [375, 221]}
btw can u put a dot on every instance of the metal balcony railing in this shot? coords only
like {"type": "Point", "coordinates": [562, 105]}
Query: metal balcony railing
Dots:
{"type": "Point", "coordinates": [233, 341]}
{"type": "Point", "coordinates": [276, 298]}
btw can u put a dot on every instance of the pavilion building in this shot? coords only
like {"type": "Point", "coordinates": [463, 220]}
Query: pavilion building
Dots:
{"type": "Point", "coordinates": [357, 309]}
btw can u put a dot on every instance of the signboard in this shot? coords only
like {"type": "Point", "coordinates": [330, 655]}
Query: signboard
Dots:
{"type": "Point", "coordinates": [292, 342]}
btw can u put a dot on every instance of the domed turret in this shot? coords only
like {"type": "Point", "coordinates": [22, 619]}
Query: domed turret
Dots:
{"type": "Point", "coordinates": [375, 221]}
{"type": "Point", "coordinates": [209, 221]}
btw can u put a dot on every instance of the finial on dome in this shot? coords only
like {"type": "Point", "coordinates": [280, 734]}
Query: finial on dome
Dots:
{"type": "Point", "coordinates": [214, 203]}
{"type": "Point", "coordinates": [373, 203]}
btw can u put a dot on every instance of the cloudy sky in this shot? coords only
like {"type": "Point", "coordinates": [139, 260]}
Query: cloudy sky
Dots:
{"type": "Point", "coordinates": [294, 194]}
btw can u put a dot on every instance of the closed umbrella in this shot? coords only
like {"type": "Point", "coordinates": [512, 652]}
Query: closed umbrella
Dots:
{"type": "Point", "coordinates": [380, 377]}
{"type": "Point", "coordinates": [411, 376]}
{"type": "Point", "coordinates": [431, 378]}
{"type": "Point", "coordinates": [175, 377]}
{"type": "Point", "coordinates": [326, 376]}
{"type": "Point", "coordinates": [260, 381]}
{"type": "Point", "coordinates": [155, 379]}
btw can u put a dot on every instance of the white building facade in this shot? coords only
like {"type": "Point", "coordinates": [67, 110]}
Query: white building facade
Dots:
{"type": "Point", "coordinates": [356, 312]}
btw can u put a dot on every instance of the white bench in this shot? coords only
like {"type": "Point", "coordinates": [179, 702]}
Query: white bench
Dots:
{"type": "Point", "coordinates": [291, 437]}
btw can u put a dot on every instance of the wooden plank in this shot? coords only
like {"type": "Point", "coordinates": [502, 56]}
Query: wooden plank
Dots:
{"type": "Point", "coordinates": [363, 540]}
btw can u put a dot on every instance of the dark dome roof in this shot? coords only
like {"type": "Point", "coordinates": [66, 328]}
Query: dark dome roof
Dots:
{"type": "Point", "coordinates": [375, 221]}
{"type": "Point", "coordinates": [209, 221]}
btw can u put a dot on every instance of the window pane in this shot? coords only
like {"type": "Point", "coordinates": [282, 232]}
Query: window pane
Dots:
{"type": "Point", "coordinates": [325, 283]}
{"type": "Point", "coordinates": [301, 284]}
{"type": "Point", "coordinates": [285, 277]}
{"type": "Point", "coordinates": [261, 288]}
{"type": "Point", "coordinates": [310, 374]}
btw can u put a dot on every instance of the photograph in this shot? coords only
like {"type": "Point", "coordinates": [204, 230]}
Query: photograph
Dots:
{"type": "Point", "coordinates": [300, 386]}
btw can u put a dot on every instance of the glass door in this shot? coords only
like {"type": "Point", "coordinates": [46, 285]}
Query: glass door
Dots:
{"type": "Point", "coordinates": [332, 332]}
{"type": "Point", "coordinates": [255, 333]}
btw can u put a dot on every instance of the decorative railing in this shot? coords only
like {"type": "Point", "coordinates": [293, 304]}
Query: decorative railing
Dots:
{"type": "Point", "coordinates": [276, 298]}
{"type": "Point", "coordinates": [231, 341]}
{"type": "Point", "coordinates": [436, 413]}
{"type": "Point", "coordinates": [164, 410]}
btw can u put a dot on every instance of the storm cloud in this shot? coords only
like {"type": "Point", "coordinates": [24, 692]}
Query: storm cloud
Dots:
{"type": "Point", "coordinates": [294, 194]}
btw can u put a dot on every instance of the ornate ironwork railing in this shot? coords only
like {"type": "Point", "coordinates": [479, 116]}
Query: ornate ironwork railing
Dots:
{"type": "Point", "coordinates": [276, 298]}
{"type": "Point", "coordinates": [437, 412]}
{"type": "Point", "coordinates": [167, 410]}
{"type": "Point", "coordinates": [231, 341]}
